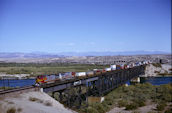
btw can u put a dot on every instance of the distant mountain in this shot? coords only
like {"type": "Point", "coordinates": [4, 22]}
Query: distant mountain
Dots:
{"type": "Point", "coordinates": [63, 54]}
{"type": "Point", "coordinates": [108, 53]}
{"type": "Point", "coordinates": [29, 55]}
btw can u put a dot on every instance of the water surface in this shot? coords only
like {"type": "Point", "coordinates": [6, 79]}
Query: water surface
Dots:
{"type": "Point", "coordinates": [16, 83]}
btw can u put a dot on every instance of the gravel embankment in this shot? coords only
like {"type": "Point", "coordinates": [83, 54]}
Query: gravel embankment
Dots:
{"type": "Point", "coordinates": [33, 102]}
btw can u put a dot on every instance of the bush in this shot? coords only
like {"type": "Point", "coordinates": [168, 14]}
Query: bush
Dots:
{"type": "Point", "coordinates": [99, 107]}
{"type": "Point", "coordinates": [122, 103]}
{"type": "Point", "coordinates": [47, 103]}
{"type": "Point", "coordinates": [139, 102]}
{"type": "Point", "coordinates": [109, 100]}
{"type": "Point", "coordinates": [164, 92]}
{"type": "Point", "coordinates": [131, 106]}
{"type": "Point", "coordinates": [151, 112]}
{"type": "Point", "coordinates": [166, 97]}
{"type": "Point", "coordinates": [135, 111]}
{"type": "Point", "coordinates": [91, 110]}
{"type": "Point", "coordinates": [157, 65]}
{"type": "Point", "coordinates": [10, 102]}
{"type": "Point", "coordinates": [106, 107]}
{"type": "Point", "coordinates": [33, 99]}
{"type": "Point", "coordinates": [168, 110]}
{"type": "Point", "coordinates": [161, 106]}
{"type": "Point", "coordinates": [19, 109]}
{"type": "Point", "coordinates": [11, 110]}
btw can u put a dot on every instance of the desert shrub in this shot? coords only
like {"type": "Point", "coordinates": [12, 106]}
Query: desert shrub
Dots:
{"type": "Point", "coordinates": [135, 96]}
{"type": "Point", "coordinates": [11, 110]}
{"type": "Point", "coordinates": [164, 92]}
{"type": "Point", "coordinates": [98, 107]}
{"type": "Point", "coordinates": [117, 95]}
{"type": "Point", "coordinates": [105, 106]}
{"type": "Point", "coordinates": [109, 100]}
{"type": "Point", "coordinates": [33, 99]}
{"type": "Point", "coordinates": [151, 112]}
{"type": "Point", "coordinates": [168, 110]}
{"type": "Point", "coordinates": [47, 103]}
{"type": "Point", "coordinates": [19, 109]}
{"type": "Point", "coordinates": [10, 102]}
{"type": "Point", "coordinates": [166, 97]}
{"type": "Point", "coordinates": [131, 106]}
{"type": "Point", "coordinates": [139, 102]}
{"type": "Point", "coordinates": [91, 110]}
{"type": "Point", "coordinates": [40, 101]}
{"type": "Point", "coordinates": [135, 111]}
{"type": "Point", "coordinates": [122, 103]}
{"type": "Point", "coordinates": [156, 65]}
{"type": "Point", "coordinates": [161, 106]}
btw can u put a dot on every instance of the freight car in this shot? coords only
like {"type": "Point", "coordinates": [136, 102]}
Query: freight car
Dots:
{"type": "Point", "coordinates": [46, 79]}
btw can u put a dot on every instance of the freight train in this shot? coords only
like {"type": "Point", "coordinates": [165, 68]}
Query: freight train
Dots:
{"type": "Point", "coordinates": [46, 79]}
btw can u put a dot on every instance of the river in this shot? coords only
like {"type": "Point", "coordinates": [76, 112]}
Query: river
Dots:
{"type": "Point", "coordinates": [27, 82]}
{"type": "Point", "coordinates": [156, 80]}
{"type": "Point", "coordinates": [16, 83]}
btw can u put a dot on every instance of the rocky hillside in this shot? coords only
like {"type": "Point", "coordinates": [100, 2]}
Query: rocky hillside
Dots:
{"type": "Point", "coordinates": [157, 69]}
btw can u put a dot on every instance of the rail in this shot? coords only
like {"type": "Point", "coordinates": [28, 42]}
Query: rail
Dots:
{"type": "Point", "coordinates": [15, 89]}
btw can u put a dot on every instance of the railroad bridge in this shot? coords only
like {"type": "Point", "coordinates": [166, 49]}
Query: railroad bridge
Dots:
{"type": "Point", "coordinates": [77, 90]}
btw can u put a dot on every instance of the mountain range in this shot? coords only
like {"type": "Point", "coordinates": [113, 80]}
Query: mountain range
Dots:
{"type": "Point", "coordinates": [64, 54]}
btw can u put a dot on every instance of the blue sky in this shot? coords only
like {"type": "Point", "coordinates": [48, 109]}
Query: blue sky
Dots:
{"type": "Point", "coordinates": [85, 25]}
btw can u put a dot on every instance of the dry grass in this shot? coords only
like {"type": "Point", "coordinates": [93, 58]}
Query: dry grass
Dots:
{"type": "Point", "coordinates": [37, 69]}
{"type": "Point", "coordinates": [10, 102]}
{"type": "Point", "coordinates": [157, 65]}
{"type": "Point", "coordinates": [11, 110]}
{"type": "Point", "coordinates": [19, 110]}
{"type": "Point", "coordinates": [47, 103]}
{"type": "Point", "coordinates": [33, 99]}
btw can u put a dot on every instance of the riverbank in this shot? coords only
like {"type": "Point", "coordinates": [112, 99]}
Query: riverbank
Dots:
{"type": "Point", "coordinates": [15, 76]}
{"type": "Point", "coordinates": [32, 70]}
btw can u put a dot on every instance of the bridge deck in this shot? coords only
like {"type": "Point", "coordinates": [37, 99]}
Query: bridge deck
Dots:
{"type": "Point", "coordinates": [118, 75]}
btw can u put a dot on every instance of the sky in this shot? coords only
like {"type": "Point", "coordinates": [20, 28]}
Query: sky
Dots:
{"type": "Point", "coordinates": [85, 25]}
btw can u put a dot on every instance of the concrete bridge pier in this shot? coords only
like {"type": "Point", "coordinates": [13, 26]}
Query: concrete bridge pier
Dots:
{"type": "Point", "coordinates": [135, 80]}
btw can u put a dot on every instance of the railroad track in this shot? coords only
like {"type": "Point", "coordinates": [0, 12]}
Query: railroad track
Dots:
{"type": "Point", "coordinates": [15, 89]}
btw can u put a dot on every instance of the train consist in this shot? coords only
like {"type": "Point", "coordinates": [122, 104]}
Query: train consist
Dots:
{"type": "Point", "coordinates": [46, 79]}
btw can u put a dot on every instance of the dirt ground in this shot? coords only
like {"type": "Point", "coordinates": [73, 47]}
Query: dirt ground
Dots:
{"type": "Point", "coordinates": [144, 109]}
{"type": "Point", "coordinates": [32, 102]}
